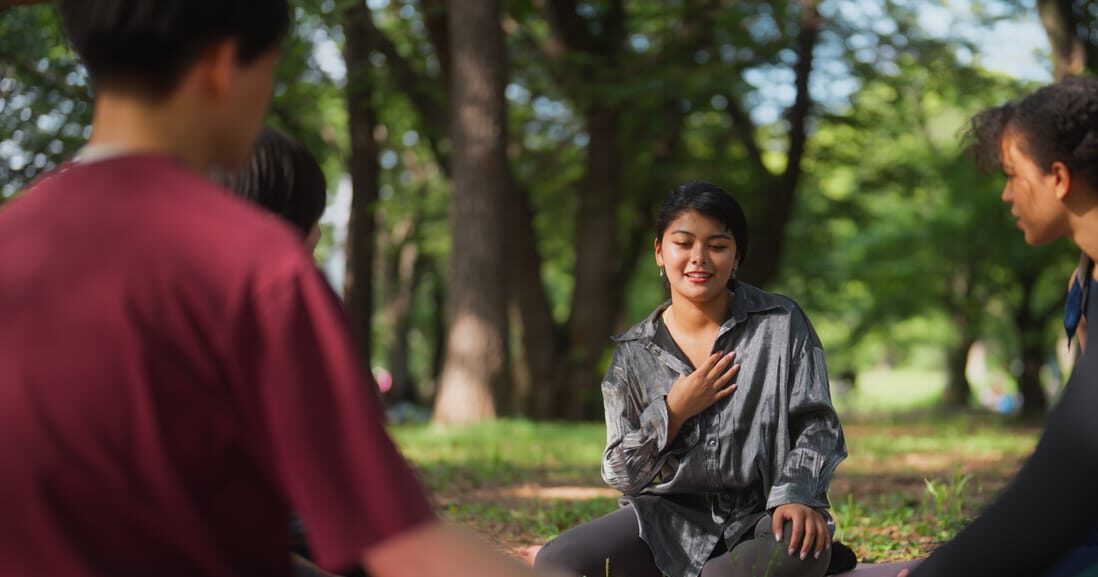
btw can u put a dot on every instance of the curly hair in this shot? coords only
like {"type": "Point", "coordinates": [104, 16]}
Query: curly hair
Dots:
{"type": "Point", "coordinates": [1057, 123]}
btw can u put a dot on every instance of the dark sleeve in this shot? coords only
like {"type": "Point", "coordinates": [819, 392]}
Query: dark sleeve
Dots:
{"type": "Point", "coordinates": [1052, 502]}
{"type": "Point", "coordinates": [817, 442]}
{"type": "Point", "coordinates": [636, 437]}
{"type": "Point", "coordinates": [319, 424]}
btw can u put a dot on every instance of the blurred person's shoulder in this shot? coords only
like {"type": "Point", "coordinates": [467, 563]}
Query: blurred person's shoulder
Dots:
{"type": "Point", "coordinates": [151, 215]}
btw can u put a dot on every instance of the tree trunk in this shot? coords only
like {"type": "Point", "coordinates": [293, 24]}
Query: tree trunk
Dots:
{"type": "Point", "coordinates": [438, 297]}
{"type": "Point", "coordinates": [1029, 325]}
{"type": "Point", "coordinates": [598, 258]}
{"type": "Point", "coordinates": [958, 390]}
{"type": "Point", "coordinates": [537, 365]}
{"type": "Point", "coordinates": [406, 271]}
{"type": "Point", "coordinates": [1069, 54]}
{"type": "Point", "coordinates": [476, 368]}
{"type": "Point", "coordinates": [358, 279]}
{"type": "Point", "coordinates": [764, 260]}
{"type": "Point", "coordinates": [1034, 400]}
{"type": "Point", "coordinates": [964, 311]}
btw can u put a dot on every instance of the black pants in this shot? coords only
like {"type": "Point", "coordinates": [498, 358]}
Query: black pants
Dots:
{"type": "Point", "coordinates": [610, 546]}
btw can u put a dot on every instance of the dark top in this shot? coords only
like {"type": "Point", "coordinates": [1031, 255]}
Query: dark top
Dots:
{"type": "Point", "coordinates": [1051, 504]}
{"type": "Point", "coordinates": [776, 440]}
{"type": "Point", "coordinates": [175, 376]}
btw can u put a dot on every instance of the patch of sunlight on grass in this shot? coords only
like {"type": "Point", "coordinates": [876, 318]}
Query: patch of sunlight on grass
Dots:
{"type": "Point", "coordinates": [891, 390]}
{"type": "Point", "coordinates": [516, 441]}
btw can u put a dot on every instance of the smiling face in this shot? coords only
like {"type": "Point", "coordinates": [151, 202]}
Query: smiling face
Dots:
{"type": "Point", "coordinates": [699, 256]}
{"type": "Point", "coordinates": [1036, 197]}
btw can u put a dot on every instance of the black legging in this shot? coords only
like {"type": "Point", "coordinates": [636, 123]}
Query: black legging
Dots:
{"type": "Point", "coordinates": [610, 546]}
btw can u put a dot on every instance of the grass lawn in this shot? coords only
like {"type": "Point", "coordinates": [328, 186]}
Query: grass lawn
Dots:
{"type": "Point", "coordinates": [908, 484]}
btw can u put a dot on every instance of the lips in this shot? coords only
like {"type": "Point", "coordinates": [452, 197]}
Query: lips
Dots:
{"type": "Point", "coordinates": [698, 276]}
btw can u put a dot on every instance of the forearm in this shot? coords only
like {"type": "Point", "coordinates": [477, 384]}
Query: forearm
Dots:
{"type": "Point", "coordinates": [440, 550]}
{"type": "Point", "coordinates": [675, 419]}
{"type": "Point", "coordinates": [634, 442]}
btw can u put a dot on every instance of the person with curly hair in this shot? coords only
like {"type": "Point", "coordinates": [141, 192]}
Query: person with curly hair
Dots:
{"type": "Point", "coordinates": [1046, 144]}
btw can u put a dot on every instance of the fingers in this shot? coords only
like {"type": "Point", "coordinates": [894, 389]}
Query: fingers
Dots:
{"type": "Point", "coordinates": [724, 392]}
{"type": "Point", "coordinates": [777, 520]}
{"type": "Point", "coordinates": [718, 366]}
{"type": "Point", "coordinates": [711, 361]}
{"type": "Point", "coordinates": [808, 530]}
{"type": "Point", "coordinates": [724, 378]}
{"type": "Point", "coordinates": [811, 534]}
{"type": "Point", "coordinates": [797, 538]}
{"type": "Point", "coordinates": [902, 573]}
{"type": "Point", "coordinates": [816, 536]}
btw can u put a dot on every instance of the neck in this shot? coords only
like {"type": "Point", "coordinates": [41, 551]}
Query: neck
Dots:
{"type": "Point", "coordinates": [694, 316]}
{"type": "Point", "coordinates": [135, 126]}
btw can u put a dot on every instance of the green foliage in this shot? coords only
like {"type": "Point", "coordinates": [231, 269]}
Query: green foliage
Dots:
{"type": "Point", "coordinates": [948, 496]}
{"type": "Point", "coordinates": [44, 110]}
{"type": "Point", "coordinates": [895, 240]}
{"type": "Point", "coordinates": [896, 224]}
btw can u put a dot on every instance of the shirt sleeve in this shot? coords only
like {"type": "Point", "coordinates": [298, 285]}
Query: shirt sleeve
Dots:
{"type": "Point", "coordinates": [636, 436]}
{"type": "Point", "coordinates": [1049, 506]}
{"type": "Point", "coordinates": [318, 422]}
{"type": "Point", "coordinates": [816, 437]}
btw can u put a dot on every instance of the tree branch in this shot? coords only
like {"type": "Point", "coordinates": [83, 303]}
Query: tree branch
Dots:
{"type": "Point", "coordinates": [415, 85]}
{"type": "Point", "coordinates": [744, 128]}
{"type": "Point", "coordinates": [798, 112]}
{"type": "Point", "coordinates": [434, 16]}
{"type": "Point", "coordinates": [567, 25]}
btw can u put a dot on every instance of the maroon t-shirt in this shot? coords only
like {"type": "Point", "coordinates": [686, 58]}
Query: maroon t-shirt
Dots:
{"type": "Point", "coordinates": [175, 378]}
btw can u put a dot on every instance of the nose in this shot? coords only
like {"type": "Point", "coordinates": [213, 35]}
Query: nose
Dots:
{"type": "Point", "coordinates": [697, 256]}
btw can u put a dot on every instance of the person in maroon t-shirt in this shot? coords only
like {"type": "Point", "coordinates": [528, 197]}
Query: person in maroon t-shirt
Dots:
{"type": "Point", "coordinates": [175, 375]}
{"type": "Point", "coordinates": [284, 178]}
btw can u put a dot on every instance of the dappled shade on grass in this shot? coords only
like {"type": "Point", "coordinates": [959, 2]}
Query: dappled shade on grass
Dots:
{"type": "Point", "coordinates": [906, 487]}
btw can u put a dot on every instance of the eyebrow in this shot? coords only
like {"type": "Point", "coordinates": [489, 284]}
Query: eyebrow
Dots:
{"type": "Point", "coordinates": [723, 235]}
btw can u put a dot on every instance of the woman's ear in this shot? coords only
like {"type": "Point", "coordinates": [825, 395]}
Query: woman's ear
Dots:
{"type": "Point", "coordinates": [1061, 179]}
{"type": "Point", "coordinates": [658, 249]}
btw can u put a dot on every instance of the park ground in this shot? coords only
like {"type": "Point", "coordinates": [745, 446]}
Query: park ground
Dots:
{"type": "Point", "coordinates": [910, 482]}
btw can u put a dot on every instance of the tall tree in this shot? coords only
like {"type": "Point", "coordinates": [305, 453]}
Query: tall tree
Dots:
{"type": "Point", "coordinates": [780, 189]}
{"type": "Point", "coordinates": [358, 286]}
{"type": "Point", "coordinates": [1070, 50]}
{"type": "Point", "coordinates": [476, 364]}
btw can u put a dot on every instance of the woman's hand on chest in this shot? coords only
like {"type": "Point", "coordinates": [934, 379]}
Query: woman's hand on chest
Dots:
{"type": "Point", "coordinates": [709, 383]}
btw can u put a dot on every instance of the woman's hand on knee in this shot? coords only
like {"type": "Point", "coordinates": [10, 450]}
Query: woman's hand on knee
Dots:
{"type": "Point", "coordinates": [809, 531]}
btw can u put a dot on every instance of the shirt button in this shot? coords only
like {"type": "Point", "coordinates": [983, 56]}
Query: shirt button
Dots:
{"type": "Point", "coordinates": [712, 442]}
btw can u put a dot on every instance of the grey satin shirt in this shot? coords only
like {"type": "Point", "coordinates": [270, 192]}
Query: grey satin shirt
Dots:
{"type": "Point", "coordinates": [776, 440]}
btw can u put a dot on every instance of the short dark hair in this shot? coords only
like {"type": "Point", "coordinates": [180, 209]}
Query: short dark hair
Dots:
{"type": "Point", "coordinates": [145, 46]}
{"type": "Point", "coordinates": [709, 200]}
{"type": "Point", "coordinates": [1057, 123]}
{"type": "Point", "coordinates": [282, 176]}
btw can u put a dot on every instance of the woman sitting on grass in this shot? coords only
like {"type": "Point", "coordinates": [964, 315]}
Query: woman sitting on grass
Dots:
{"type": "Point", "coordinates": [720, 428]}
